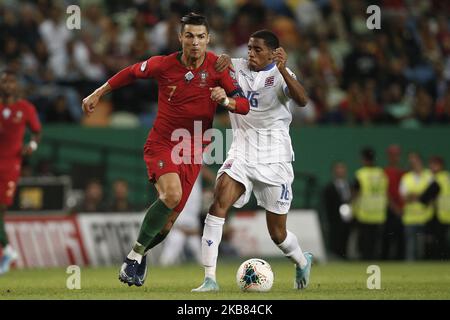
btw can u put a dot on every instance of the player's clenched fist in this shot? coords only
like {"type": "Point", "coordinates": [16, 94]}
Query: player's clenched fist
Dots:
{"type": "Point", "coordinates": [89, 103]}
{"type": "Point", "coordinates": [218, 94]}
{"type": "Point", "coordinates": [280, 57]}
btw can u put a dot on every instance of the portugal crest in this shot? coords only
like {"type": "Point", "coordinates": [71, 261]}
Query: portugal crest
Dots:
{"type": "Point", "coordinates": [203, 78]}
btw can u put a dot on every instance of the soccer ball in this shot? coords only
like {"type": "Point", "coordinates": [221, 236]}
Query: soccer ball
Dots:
{"type": "Point", "coordinates": [254, 275]}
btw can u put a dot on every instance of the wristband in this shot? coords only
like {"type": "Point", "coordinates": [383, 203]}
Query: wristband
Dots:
{"type": "Point", "coordinates": [226, 102]}
{"type": "Point", "coordinates": [33, 145]}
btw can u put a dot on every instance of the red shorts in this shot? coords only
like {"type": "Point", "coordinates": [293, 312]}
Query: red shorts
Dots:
{"type": "Point", "coordinates": [9, 175]}
{"type": "Point", "coordinates": [159, 162]}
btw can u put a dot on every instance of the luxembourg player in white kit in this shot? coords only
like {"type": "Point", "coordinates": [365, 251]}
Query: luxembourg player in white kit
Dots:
{"type": "Point", "coordinates": [260, 156]}
{"type": "Point", "coordinates": [261, 152]}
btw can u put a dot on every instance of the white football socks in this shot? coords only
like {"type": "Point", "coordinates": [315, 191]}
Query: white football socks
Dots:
{"type": "Point", "coordinates": [212, 235]}
{"type": "Point", "coordinates": [133, 255]}
{"type": "Point", "coordinates": [292, 250]}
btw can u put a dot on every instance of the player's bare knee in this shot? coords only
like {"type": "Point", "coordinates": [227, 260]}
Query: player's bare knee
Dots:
{"type": "Point", "coordinates": [171, 198]}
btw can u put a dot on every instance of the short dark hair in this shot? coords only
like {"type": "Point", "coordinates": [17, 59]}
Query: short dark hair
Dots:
{"type": "Point", "coordinates": [368, 154]}
{"type": "Point", "coordinates": [269, 38]}
{"type": "Point", "coordinates": [195, 19]}
{"type": "Point", "coordinates": [438, 159]}
{"type": "Point", "coordinates": [92, 181]}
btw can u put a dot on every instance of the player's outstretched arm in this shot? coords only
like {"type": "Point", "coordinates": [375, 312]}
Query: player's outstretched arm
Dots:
{"type": "Point", "coordinates": [237, 104]}
{"type": "Point", "coordinates": [296, 90]}
{"type": "Point", "coordinates": [141, 70]}
{"type": "Point", "coordinates": [120, 79]}
{"type": "Point", "coordinates": [91, 101]}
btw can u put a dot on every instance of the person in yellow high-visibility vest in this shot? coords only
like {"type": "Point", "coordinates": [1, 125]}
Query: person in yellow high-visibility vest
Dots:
{"type": "Point", "coordinates": [415, 214]}
{"type": "Point", "coordinates": [370, 205]}
{"type": "Point", "coordinates": [438, 194]}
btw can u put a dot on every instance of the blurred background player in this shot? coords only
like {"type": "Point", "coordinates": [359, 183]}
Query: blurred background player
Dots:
{"type": "Point", "coordinates": [15, 116]}
{"type": "Point", "coordinates": [186, 233]}
{"type": "Point", "coordinates": [370, 205]}
{"type": "Point", "coordinates": [260, 156]}
{"type": "Point", "coordinates": [189, 90]}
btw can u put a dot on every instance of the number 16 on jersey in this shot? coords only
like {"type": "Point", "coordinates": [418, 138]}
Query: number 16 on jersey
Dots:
{"type": "Point", "coordinates": [252, 98]}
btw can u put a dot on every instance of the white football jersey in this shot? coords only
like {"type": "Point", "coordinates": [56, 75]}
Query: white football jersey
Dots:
{"type": "Point", "coordinates": [262, 135]}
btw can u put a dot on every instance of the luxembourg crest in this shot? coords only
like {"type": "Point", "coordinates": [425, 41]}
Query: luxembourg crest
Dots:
{"type": "Point", "coordinates": [269, 81]}
{"type": "Point", "coordinates": [228, 164]}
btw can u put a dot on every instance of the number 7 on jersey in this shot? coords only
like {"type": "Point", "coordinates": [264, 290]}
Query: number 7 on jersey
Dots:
{"type": "Point", "coordinates": [172, 91]}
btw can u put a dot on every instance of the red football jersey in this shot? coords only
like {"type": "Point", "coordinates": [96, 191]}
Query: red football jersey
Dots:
{"type": "Point", "coordinates": [184, 95]}
{"type": "Point", "coordinates": [14, 119]}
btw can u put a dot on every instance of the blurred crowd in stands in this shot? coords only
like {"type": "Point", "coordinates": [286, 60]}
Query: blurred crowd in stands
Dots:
{"type": "Point", "coordinates": [398, 74]}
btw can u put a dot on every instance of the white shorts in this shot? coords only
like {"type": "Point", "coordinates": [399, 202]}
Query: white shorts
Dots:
{"type": "Point", "coordinates": [270, 183]}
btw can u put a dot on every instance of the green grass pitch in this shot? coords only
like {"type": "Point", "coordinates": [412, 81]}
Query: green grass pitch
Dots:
{"type": "Point", "coordinates": [424, 280]}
